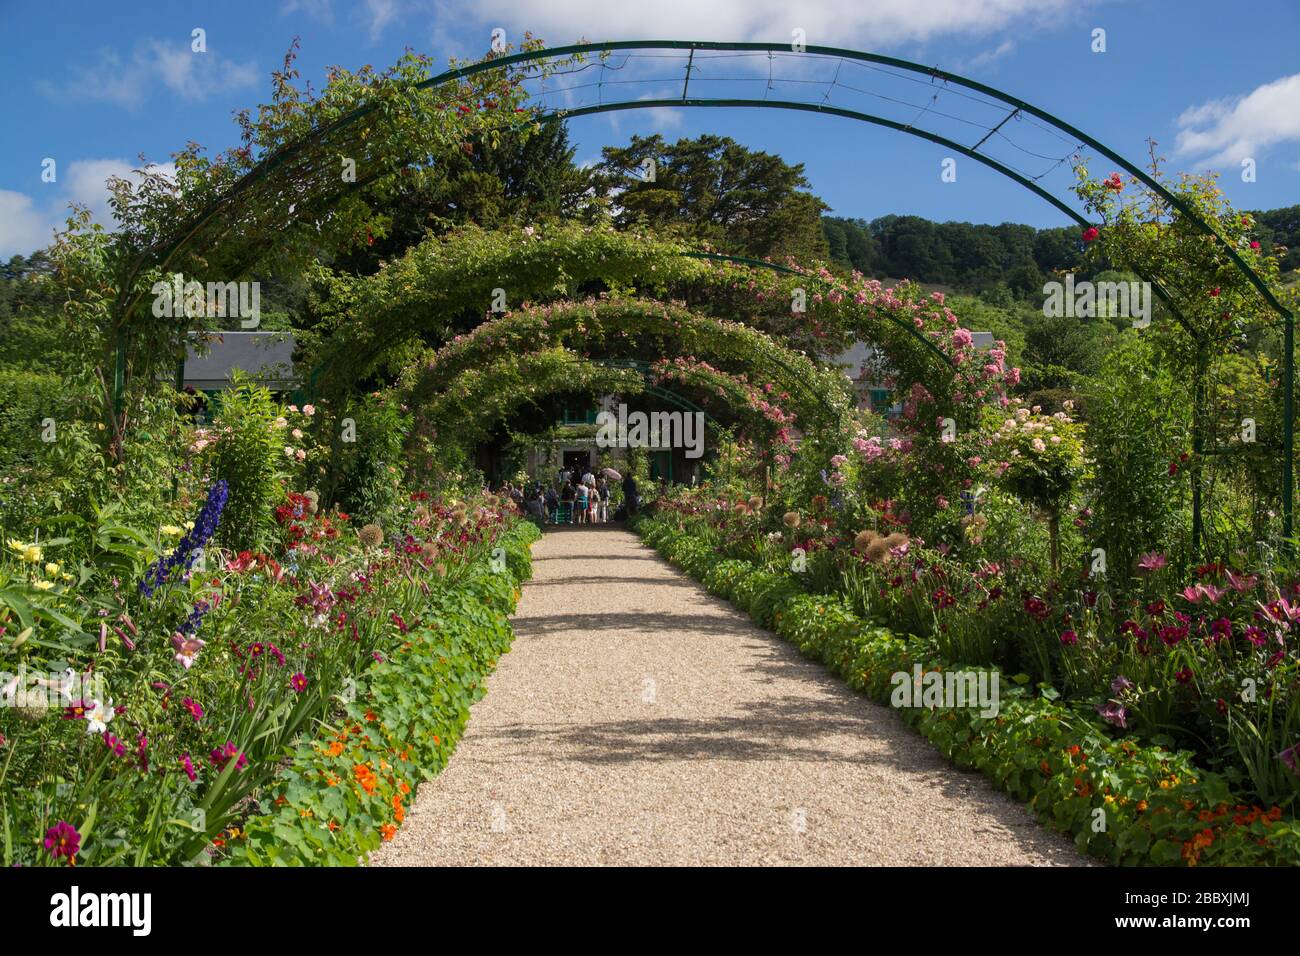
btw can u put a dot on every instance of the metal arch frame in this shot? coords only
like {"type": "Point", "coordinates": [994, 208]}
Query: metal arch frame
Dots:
{"type": "Point", "coordinates": [271, 161]}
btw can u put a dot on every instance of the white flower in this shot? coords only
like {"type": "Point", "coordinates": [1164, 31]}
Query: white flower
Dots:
{"type": "Point", "coordinates": [1038, 445]}
{"type": "Point", "coordinates": [281, 422]}
{"type": "Point", "coordinates": [296, 433]}
{"type": "Point", "coordinates": [309, 410]}
{"type": "Point", "coordinates": [99, 715]}
{"type": "Point", "coordinates": [288, 451]}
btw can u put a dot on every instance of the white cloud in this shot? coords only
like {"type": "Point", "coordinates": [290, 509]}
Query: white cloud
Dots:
{"type": "Point", "coordinates": [984, 58]}
{"type": "Point", "coordinates": [27, 225]}
{"type": "Point", "coordinates": [1226, 131]}
{"type": "Point", "coordinates": [380, 13]}
{"type": "Point", "coordinates": [863, 23]}
{"type": "Point", "coordinates": [321, 10]}
{"type": "Point", "coordinates": [23, 227]}
{"type": "Point", "coordinates": [153, 64]}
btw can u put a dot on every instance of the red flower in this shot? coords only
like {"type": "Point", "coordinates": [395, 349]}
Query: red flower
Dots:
{"type": "Point", "coordinates": [1090, 234]}
{"type": "Point", "coordinates": [1114, 182]}
{"type": "Point", "coordinates": [1214, 293]}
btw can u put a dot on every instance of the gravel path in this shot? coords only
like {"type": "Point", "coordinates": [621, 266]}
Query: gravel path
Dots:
{"type": "Point", "coordinates": [640, 720]}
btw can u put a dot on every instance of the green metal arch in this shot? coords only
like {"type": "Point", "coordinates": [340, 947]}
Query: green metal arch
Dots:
{"type": "Point", "coordinates": [270, 162]}
{"type": "Point", "coordinates": [988, 161]}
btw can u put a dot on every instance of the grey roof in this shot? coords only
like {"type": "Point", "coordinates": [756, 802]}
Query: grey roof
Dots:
{"type": "Point", "coordinates": [268, 356]}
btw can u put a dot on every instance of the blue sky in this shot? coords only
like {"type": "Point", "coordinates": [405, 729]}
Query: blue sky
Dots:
{"type": "Point", "coordinates": [94, 86]}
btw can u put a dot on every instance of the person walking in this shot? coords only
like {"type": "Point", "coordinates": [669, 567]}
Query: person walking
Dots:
{"type": "Point", "coordinates": [631, 500]}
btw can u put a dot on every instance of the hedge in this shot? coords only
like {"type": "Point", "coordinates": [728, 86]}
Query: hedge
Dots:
{"type": "Point", "coordinates": [1124, 801]}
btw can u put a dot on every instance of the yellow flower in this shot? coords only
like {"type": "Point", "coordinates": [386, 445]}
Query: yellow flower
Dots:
{"type": "Point", "coordinates": [171, 530]}
{"type": "Point", "coordinates": [189, 526]}
{"type": "Point", "coordinates": [52, 568]}
{"type": "Point", "coordinates": [30, 553]}
{"type": "Point", "coordinates": [42, 585]}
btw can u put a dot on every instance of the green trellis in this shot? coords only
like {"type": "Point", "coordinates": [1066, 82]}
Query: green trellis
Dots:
{"type": "Point", "coordinates": [1014, 107]}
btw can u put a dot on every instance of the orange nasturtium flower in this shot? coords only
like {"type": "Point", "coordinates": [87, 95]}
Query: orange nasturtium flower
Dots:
{"type": "Point", "coordinates": [387, 830]}
{"type": "Point", "coordinates": [335, 749]}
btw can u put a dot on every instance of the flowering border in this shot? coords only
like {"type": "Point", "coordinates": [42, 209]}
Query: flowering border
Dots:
{"type": "Point", "coordinates": [1157, 806]}
{"type": "Point", "coordinates": [345, 791]}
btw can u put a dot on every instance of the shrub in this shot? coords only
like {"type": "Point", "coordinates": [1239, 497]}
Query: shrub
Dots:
{"type": "Point", "coordinates": [247, 455]}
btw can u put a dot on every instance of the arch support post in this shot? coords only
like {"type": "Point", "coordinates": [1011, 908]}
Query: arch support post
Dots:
{"type": "Point", "coordinates": [1288, 429]}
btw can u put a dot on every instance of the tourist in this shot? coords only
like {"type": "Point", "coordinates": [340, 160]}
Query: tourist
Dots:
{"type": "Point", "coordinates": [630, 500]}
{"type": "Point", "coordinates": [580, 504]}
{"type": "Point", "coordinates": [602, 492]}
{"type": "Point", "coordinates": [552, 504]}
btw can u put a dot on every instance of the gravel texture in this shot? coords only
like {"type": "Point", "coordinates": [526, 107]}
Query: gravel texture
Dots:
{"type": "Point", "coordinates": [640, 720]}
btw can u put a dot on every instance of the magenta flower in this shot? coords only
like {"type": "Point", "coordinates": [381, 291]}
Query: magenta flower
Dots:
{"type": "Point", "coordinates": [298, 682]}
{"type": "Point", "coordinates": [1242, 584]}
{"type": "Point", "coordinates": [221, 756]}
{"type": "Point", "coordinates": [1114, 713]}
{"type": "Point", "coordinates": [1291, 757]}
{"type": "Point", "coordinates": [188, 766]}
{"type": "Point", "coordinates": [1184, 676]}
{"type": "Point", "coordinates": [63, 840]}
{"type": "Point", "coordinates": [1069, 638]}
{"type": "Point", "coordinates": [1120, 684]}
{"type": "Point", "coordinates": [196, 711]}
{"type": "Point", "coordinates": [1152, 561]}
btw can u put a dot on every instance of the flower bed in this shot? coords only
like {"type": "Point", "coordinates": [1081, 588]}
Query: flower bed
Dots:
{"type": "Point", "coordinates": [345, 791]}
{"type": "Point", "coordinates": [1125, 801]}
{"type": "Point", "coordinates": [172, 717]}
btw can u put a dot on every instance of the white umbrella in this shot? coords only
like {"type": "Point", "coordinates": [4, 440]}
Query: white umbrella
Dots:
{"type": "Point", "coordinates": [611, 474]}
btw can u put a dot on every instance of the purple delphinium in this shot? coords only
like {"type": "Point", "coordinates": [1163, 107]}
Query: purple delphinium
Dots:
{"type": "Point", "coordinates": [205, 526]}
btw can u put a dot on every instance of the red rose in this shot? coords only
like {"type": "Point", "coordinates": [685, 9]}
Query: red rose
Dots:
{"type": "Point", "coordinates": [1090, 234]}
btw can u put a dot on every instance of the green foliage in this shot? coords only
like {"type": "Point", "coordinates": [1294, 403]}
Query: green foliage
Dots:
{"type": "Point", "coordinates": [27, 399]}
{"type": "Point", "coordinates": [247, 454]}
{"type": "Point", "coordinates": [1138, 427]}
{"type": "Point", "coordinates": [369, 485]}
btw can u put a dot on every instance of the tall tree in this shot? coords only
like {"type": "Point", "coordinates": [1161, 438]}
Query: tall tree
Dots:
{"type": "Point", "coordinates": [740, 200]}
